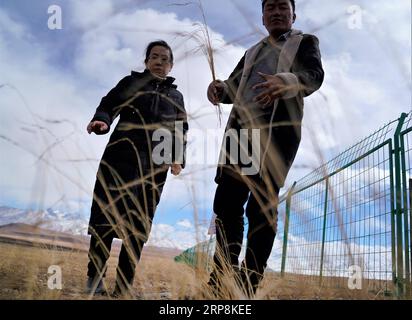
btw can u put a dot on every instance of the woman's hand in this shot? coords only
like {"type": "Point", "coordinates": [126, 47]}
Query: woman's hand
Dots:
{"type": "Point", "coordinates": [176, 169]}
{"type": "Point", "coordinates": [97, 127]}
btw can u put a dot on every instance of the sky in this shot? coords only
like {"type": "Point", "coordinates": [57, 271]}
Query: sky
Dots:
{"type": "Point", "coordinates": [51, 81]}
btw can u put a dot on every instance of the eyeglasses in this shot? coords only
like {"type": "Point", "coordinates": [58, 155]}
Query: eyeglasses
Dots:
{"type": "Point", "coordinates": [163, 59]}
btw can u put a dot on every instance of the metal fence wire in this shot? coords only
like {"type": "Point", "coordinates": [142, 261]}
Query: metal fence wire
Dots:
{"type": "Point", "coordinates": [351, 216]}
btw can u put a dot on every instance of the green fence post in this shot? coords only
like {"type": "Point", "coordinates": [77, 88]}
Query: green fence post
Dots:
{"type": "Point", "coordinates": [393, 214]}
{"type": "Point", "coordinates": [324, 230]}
{"type": "Point", "coordinates": [398, 208]}
{"type": "Point", "coordinates": [410, 228]}
{"type": "Point", "coordinates": [286, 230]}
{"type": "Point", "coordinates": [405, 212]}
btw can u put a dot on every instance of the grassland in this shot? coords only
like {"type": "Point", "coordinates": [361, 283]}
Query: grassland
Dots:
{"type": "Point", "coordinates": [24, 275]}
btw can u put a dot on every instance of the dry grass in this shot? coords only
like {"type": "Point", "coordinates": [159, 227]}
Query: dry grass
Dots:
{"type": "Point", "coordinates": [23, 275]}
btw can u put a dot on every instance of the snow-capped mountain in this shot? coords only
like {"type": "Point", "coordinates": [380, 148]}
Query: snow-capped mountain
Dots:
{"type": "Point", "coordinates": [56, 220]}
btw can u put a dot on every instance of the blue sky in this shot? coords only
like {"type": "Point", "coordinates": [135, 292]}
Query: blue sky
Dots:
{"type": "Point", "coordinates": [56, 78]}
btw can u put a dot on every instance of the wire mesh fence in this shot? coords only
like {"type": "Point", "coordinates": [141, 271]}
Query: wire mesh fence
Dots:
{"type": "Point", "coordinates": [352, 215]}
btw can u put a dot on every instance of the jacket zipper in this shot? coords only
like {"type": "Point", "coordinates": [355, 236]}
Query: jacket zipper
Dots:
{"type": "Point", "coordinates": [155, 105]}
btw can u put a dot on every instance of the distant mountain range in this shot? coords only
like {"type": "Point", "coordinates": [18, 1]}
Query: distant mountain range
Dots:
{"type": "Point", "coordinates": [29, 235]}
{"type": "Point", "coordinates": [34, 236]}
{"type": "Point", "coordinates": [50, 219]}
{"type": "Point", "coordinates": [64, 230]}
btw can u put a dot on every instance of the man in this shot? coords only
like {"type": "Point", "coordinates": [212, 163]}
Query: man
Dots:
{"type": "Point", "coordinates": [266, 89]}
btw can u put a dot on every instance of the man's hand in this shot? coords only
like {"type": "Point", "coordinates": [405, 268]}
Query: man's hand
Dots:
{"type": "Point", "coordinates": [275, 87]}
{"type": "Point", "coordinates": [176, 169]}
{"type": "Point", "coordinates": [97, 127]}
{"type": "Point", "coordinates": [215, 91]}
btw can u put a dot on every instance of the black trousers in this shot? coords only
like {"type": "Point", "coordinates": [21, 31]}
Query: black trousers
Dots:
{"type": "Point", "coordinates": [130, 253]}
{"type": "Point", "coordinates": [261, 211]}
{"type": "Point", "coordinates": [123, 207]}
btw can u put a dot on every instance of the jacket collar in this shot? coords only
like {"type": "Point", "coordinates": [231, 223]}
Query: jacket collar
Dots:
{"type": "Point", "coordinates": [147, 75]}
{"type": "Point", "coordinates": [285, 36]}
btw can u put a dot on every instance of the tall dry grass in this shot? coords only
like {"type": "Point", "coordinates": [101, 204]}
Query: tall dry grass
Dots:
{"type": "Point", "coordinates": [23, 275]}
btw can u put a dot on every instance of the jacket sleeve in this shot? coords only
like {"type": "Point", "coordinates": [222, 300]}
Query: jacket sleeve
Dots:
{"type": "Point", "coordinates": [180, 133]}
{"type": "Point", "coordinates": [110, 105]}
{"type": "Point", "coordinates": [232, 83]}
{"type": "Point", "coordinates": [307, 73]}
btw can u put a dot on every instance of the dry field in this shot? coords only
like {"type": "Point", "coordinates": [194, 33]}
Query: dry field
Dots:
{"type": "Point", "coordinates": [26, 254]}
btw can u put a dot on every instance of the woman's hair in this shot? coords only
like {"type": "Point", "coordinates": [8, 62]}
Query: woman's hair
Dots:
{"type": "Point", "coordinates": [160, 43]}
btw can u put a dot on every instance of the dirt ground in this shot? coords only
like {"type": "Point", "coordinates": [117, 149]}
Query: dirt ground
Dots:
{"type": "Point", "coordinates": [24, 275]}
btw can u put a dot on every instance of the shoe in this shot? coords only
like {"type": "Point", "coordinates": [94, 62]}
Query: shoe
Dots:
{"type": "Point", "coordinates": [249, 282]}
{"type": "Point", "coordinates": [95, 288]}
{"type": "Point", "coordinates": [119, 293]}
{"type": "Point", "coordinates": [116, 294]}
{"type": "Point", "coordinates": [214, 286]}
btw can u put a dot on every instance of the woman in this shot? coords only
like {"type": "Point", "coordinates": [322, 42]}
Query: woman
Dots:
{"type": "Point", "coordinates": [130, 178]}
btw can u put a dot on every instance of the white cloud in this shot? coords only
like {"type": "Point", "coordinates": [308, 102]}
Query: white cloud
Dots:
{"type": "Point", "coordinates": [164, 235]}
{"type": "Point", "coordinates": [303, 257]}
{"type": "Point", "coordinates": [8, 25]}
{"type": "Point", "coordinates": [91, 13]}
{"type": "Point", "coordinates": [185, 224]}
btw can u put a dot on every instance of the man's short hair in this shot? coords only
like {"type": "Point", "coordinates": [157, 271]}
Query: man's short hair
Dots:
{"type": "Point", "coordinates": [291, 1]}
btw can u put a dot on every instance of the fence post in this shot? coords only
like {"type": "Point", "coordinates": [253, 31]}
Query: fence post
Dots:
{"type": "Point", "coordinates": [410, 229]}
{"type": "Point", "coordinates": [324, 230]}
{"type": "Point", "coordinates": [405, 212]}
{"type": "Point", "coordinates": [398, 208]}
{"type": "Point", "coordinates": [393, 214]}
{"type": "Point", "coordinates": [286, 230]}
